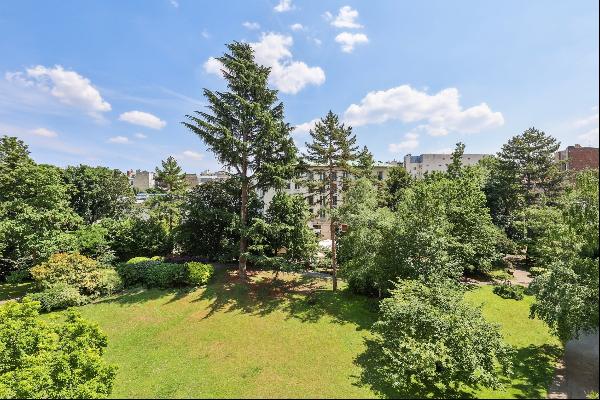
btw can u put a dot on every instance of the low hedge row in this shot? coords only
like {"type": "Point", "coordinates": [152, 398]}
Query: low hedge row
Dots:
{"type": "Point", "coordinates": [159, 274]}
{"type": "Point", "coordinates": [509, 291]}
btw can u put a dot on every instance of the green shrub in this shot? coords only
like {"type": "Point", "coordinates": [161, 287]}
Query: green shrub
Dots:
{"type": "Point", "coordinates": [18, 276]}
{"type": "Point", "coordinates": [164, 275]}
{"type": "Point", "coordinates": [198, 273]}
{"type": "Point", "coordinates": [102, 282]}
{"type": "Point", "coordinates": [151, 273]}
{"type": "Point", "coordinates": [507, 290]}
{"type": "Point", "coordinates": [50, 359]}
{"type": "Point", "coordinates": [536, 271]}
{"type": "Point", "coordinates": [58, 296]}
{"type": "Point", "coordinates": [71, 269]}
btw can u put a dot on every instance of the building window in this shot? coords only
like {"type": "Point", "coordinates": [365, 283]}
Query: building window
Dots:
{"type": "Point", "coordinates": [380, 175]}
{"type": "Point", "coordinates": [334, 201]}
{"type": "Point", "coordinates": [311, 200]}
{"type": "Point", "coordinates": [316, 226]}
{"type": "Point", "coordinates": [297, 185]}
{"type": "Point", "coordinates": [288, 186]}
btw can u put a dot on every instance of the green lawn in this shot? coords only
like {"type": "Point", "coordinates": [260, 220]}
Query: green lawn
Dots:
{"type": "Point", "coordinates": [12, 291]}
{"type": "Point", "coordinates": [292, 339]}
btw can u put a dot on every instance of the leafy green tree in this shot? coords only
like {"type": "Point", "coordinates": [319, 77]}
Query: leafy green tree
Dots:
{"type": "Point", "coordinates": [98, 192]}
{"type": "Point", "coordinates": [210, 224]}
{"type": "Point", "coordinates": [137, 235]}
{"type": "Point", "coordinates": [34, 206]}
{"type": "Point", "coordinates": [420, 244]}
{"type": "Point", "coordinates": [360, 245]}
{"type": "Point", "coordinates": [397, 181]}
{"type": "Point", "coordinates": [282, 239]}
{"type": "Point", "coordinates": [567, 293]}
{"type": "Point", "coordinates": [456, 165]}
{"type": "Point", "coordinates": [41, 359]}
{"type": "Point", "coordinates": [245, 128]}
{"type": "Point", "coordinates": [332, 148]}
{"type": "Point", "coordinates": [430, 336]}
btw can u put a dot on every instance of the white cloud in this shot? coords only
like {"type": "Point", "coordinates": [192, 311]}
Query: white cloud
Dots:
{"type": "Point", "coordinates": [284, 5]}
{"type": "Point", "coordinates": [251, 25]}
{"type": "Point", "coordinates": [140, 136]}
{"type": "Point", "coordinates": [590, 137]}
{"type": "Point", "coordinates": [317, 41]}
{"type": "Point", "coordinates": [590, 124]}
{"type": "Point", "coordinates": [68, 87]}
{"type": "Point", "coordinates": [287, 75]}
{"type": "Point", "coordinates": [349, 40]}
{"type": "Point", "coordinates": [143, 119]}
{"type": "Point", "coordinates": [346, 18]}
{"type": "Point", "coordinates": [193, 155]}
{"type": "Point", "coordinates": [213, 66]}
{"type": "Point", "coordinates": [441, 112]}
{"type": "Point", "coordinates": [305, 127]}
{"type": "Point", "coordinates": [410, 142]}
{"type": "Point", "coordinates": [119, 140]}
{"type": "Point", "coordinates": [205, 34]}
{"type": "Point", "coordinates": [587, 121]}
{"type": "Point", "coordinates": [44, 132]}
{"type": "Point", "coordinates": [174, 3]}
{"type": "Point", "coordinates": [296, 27]}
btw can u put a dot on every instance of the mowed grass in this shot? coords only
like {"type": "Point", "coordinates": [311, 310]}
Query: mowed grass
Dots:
{"type": "Point", "coordinates": [537, 350]}
{"type": "Point", "coordinates": [232, 340]}
{"type": "Point", "coordinates": [290, 337]}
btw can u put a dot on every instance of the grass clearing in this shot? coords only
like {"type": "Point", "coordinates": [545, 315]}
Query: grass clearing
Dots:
{"type": "Point", "coordinates": [291, 337]}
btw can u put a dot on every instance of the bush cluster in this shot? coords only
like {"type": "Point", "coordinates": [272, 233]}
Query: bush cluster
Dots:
{"type": "Point", "coordinates": [72, 279]}
{"type": "Point", "coordinates": [159, 274]}
{"type": "Point", "coordinates": [507, 290]}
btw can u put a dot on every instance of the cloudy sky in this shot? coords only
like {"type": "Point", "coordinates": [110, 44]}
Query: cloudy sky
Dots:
{"type": "Point", "coordinates": [108, 82]}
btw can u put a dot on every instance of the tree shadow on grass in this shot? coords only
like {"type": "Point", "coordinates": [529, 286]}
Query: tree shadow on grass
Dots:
{"type": "Point", "coordinates": [303, 297]}
{"type": "Point", "coordinates": [533, 367]}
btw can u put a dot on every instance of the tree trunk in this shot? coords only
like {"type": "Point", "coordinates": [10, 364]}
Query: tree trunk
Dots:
{"type": "Point", "coordinates": [244, 221]}
{"type": "Point", "coordinates": [332, 228]}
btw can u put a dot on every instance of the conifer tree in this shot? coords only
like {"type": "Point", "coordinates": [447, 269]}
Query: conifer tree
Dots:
{"type": "Point", "coordinates": [244, 127]}
{"type": "Point", "coordinates": [170, 177]}
{"type": "Point", "coordinates": [332, 148]}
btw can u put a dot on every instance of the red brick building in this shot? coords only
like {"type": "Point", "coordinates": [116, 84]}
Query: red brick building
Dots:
{"type": "Point", "coordinates": [578, 158]}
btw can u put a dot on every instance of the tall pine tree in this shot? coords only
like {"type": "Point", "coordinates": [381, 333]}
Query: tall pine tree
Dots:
{"type": "Point", "coordinates": [244, 127]}
{"type": "Point", "coordinates": [170, 177]}
{"type": "Point", "coordinates": [332, 148]}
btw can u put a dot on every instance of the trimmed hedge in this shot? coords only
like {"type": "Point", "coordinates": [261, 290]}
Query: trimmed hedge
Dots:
{"type": "Point", "coordinates": [154, 273]}
{"type": "Point", "coordinates": [198, 273]}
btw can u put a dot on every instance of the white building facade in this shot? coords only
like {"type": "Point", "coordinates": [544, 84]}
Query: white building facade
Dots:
{"type": "Point", "coordinates": [418, 166]}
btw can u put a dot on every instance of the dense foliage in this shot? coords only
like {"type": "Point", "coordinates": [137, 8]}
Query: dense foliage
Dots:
{"type": "Point", "coordinates": [282, 239]}
{"type": "Point", "coordinates": [210, 225]}
{"type": "Point", "coordinates": [431, 339]}
{"type": "Point", "coordinates": [507, 290]}
{"type": "Point", "coordinates": [156, 273]}
{"type": "Point", "coordinates": [39, 359]}
{"type": "Point", "coordinates": [34, 207]}
{"type": "Point", "coordinates": [98, 192]}
{"type": "Point", "coordinates": [567, 291]}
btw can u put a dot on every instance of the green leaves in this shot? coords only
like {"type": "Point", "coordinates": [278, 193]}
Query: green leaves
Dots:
{"type": "Point", "coordinates": [39, 359]}
{"type": "Point", "coordinates": [430, 336]}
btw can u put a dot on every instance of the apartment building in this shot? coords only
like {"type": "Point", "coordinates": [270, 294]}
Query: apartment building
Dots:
{"type": "Point", "coordinates": [143, 180]}
{"type": "Point", "coordinates": [418, 166]}
{"type": "Point", "coordinates": [577, 158]}
{"type": "Point", "coordinates": [318, 202]}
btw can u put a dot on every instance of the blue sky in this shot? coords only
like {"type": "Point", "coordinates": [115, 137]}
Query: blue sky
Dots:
{"type": "Point", "coordinates": [108, 82]}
